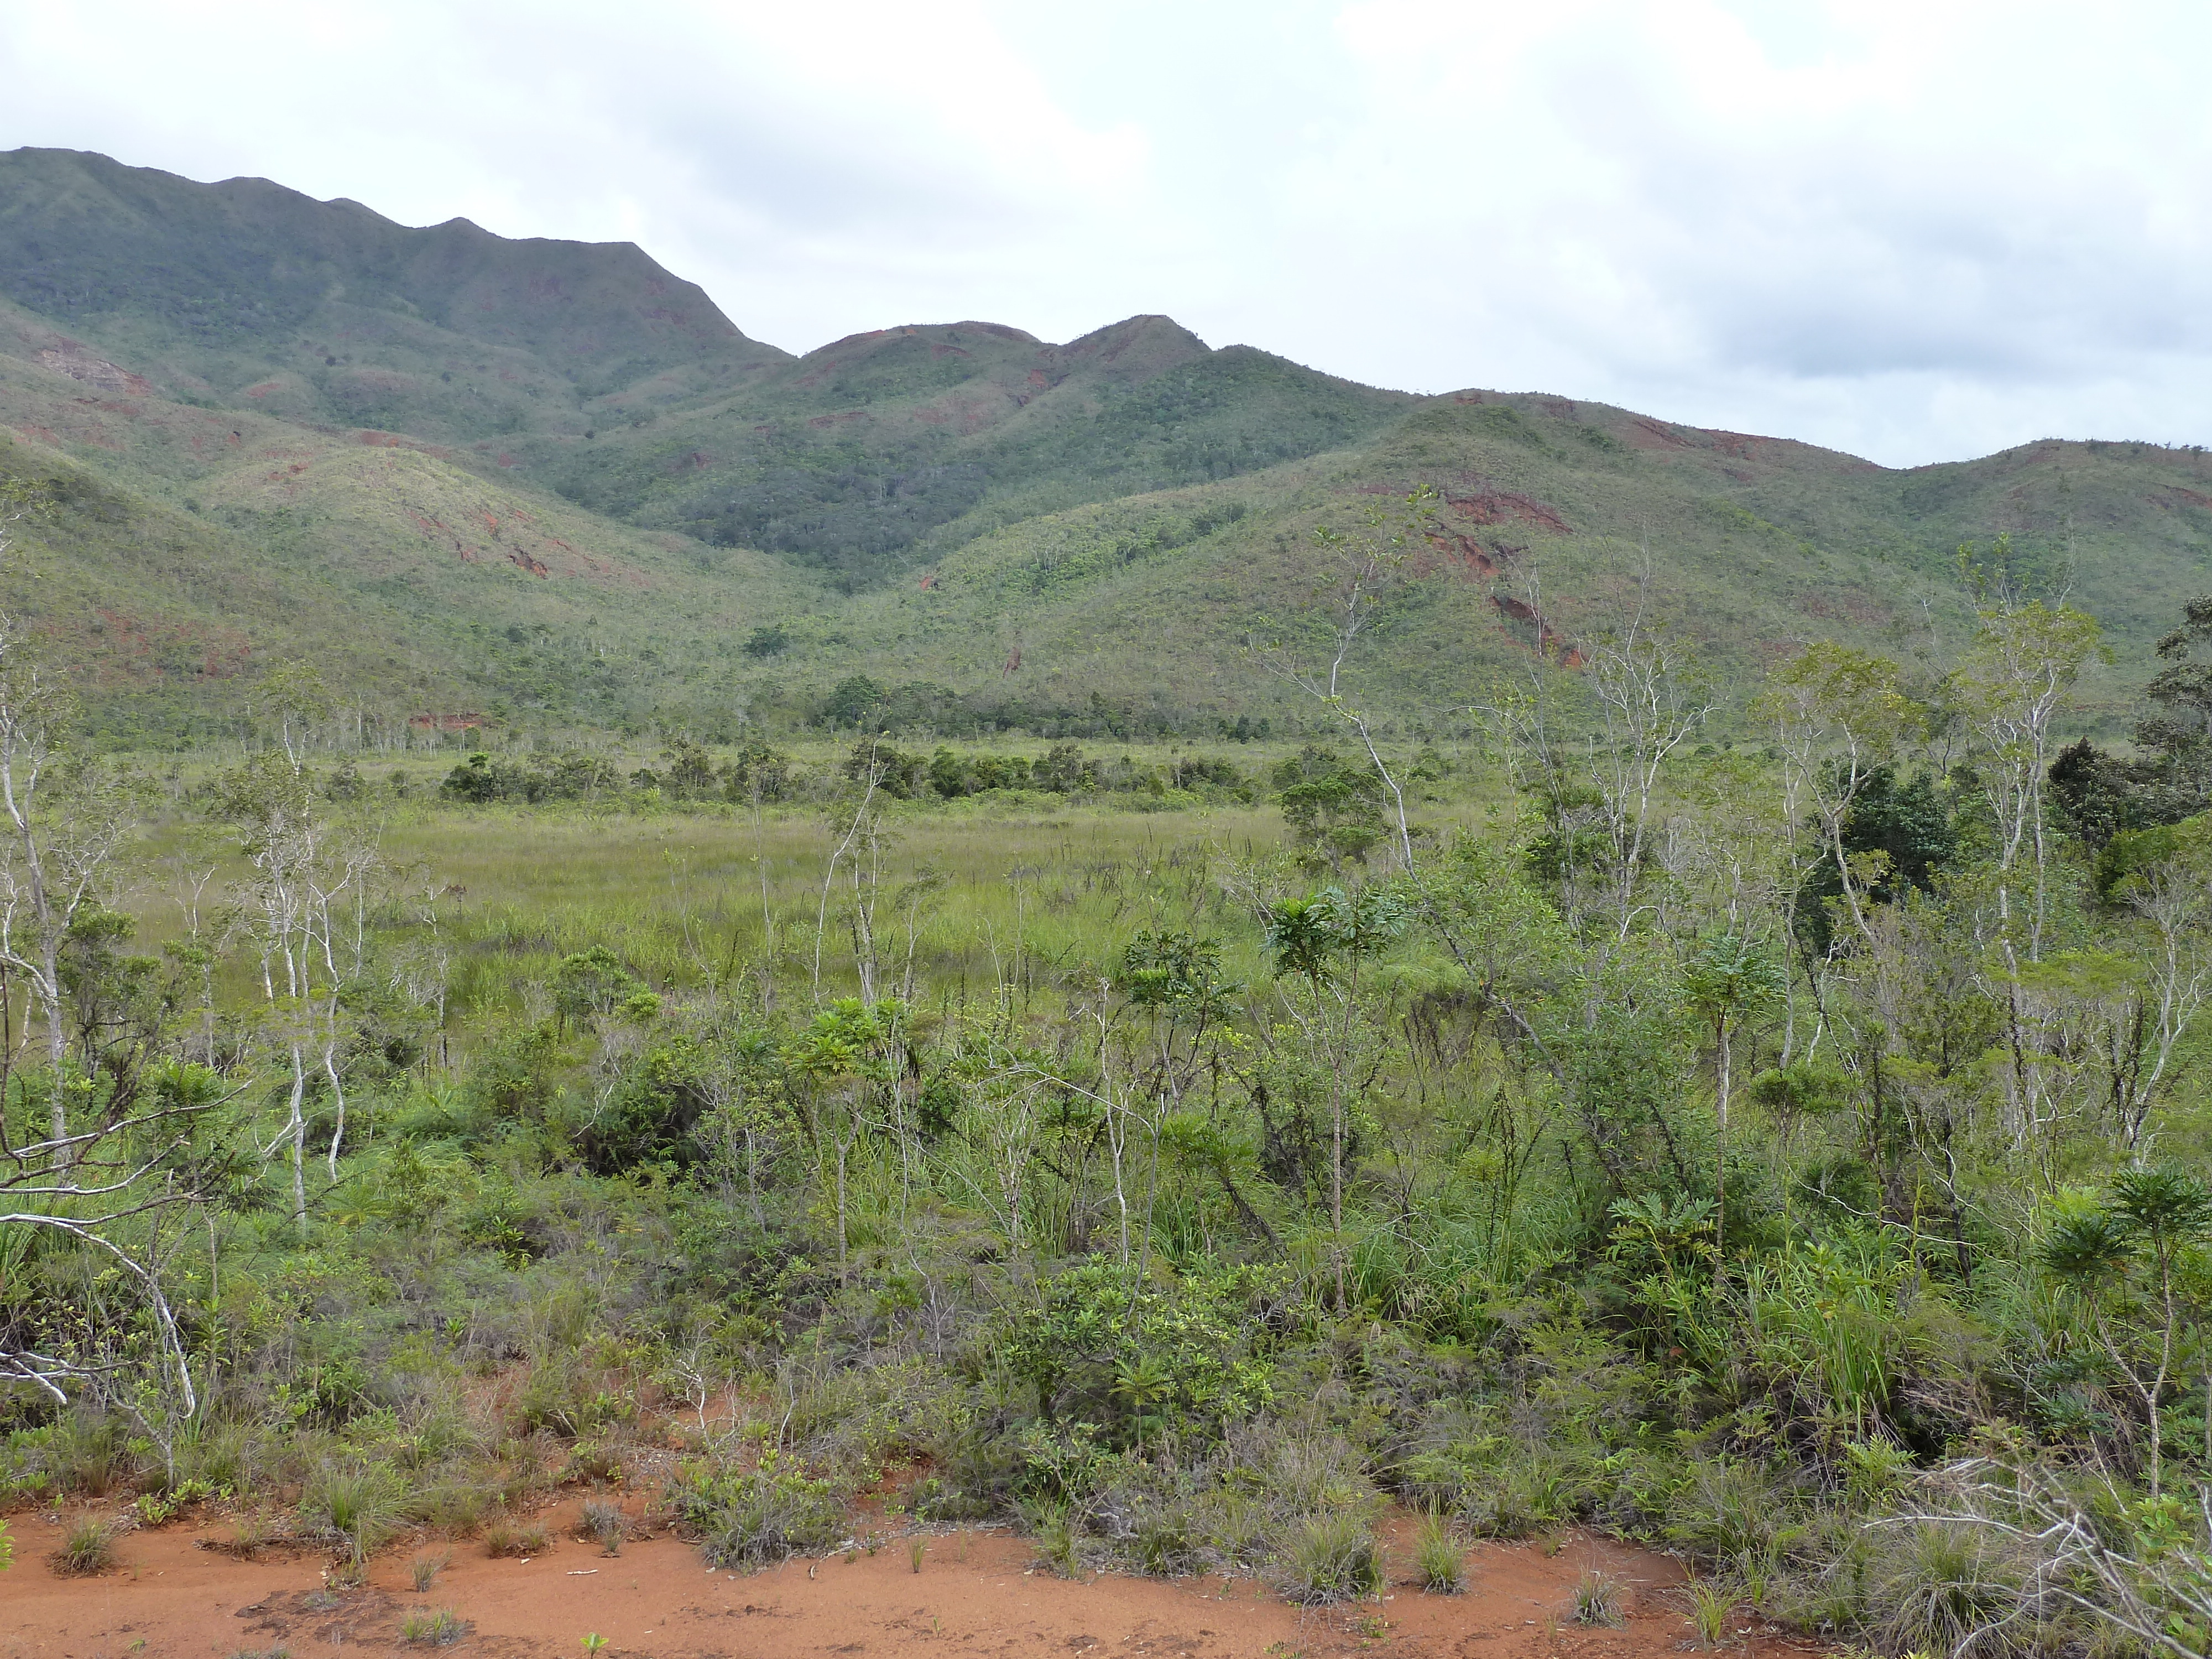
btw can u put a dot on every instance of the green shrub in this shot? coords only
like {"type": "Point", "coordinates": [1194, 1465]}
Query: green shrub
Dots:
{"type": "Point", "coordinates": [757, 1517]}
{"type": "Point", "coordinates": [1873, 1469]}
{"type": "Point", "coordinates": [1132, 1354]}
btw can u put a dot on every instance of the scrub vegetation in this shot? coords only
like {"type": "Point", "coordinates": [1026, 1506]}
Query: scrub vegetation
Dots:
{"type": "Point", "coordinates": [1788, 1152]}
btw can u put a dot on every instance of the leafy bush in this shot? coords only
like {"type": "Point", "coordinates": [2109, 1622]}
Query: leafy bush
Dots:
{"type": "Point", "coordinates": [757, 1517]}
{"type": "Point", "coordinates": [565, 776]}
{"type": "Point", "coordinates": [1107, 1346]}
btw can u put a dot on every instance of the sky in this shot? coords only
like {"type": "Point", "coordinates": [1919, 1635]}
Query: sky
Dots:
{"type": "Point", "coordinates": [1918, 232]}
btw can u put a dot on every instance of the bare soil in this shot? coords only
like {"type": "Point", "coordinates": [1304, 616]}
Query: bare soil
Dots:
{"type": "Point", "coordinates": [978, 1595]}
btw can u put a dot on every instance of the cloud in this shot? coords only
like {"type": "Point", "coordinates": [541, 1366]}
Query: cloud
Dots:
{"type": "Point", "coordinates": [1915, 231]}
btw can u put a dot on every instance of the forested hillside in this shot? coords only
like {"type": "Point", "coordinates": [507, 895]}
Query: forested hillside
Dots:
{"type": "Point", "coordinates": [550, 489]}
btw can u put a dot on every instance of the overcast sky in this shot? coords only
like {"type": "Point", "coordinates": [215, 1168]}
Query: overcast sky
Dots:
{"type": "Point", "coordinates": [1916, 231]}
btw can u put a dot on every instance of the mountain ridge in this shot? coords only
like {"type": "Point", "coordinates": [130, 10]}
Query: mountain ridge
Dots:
{"type": "Point", "coordinates": [452, 439]}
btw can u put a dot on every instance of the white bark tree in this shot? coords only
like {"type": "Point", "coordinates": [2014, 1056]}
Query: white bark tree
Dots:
{"type": "Point", "coordinates": [65, 819]}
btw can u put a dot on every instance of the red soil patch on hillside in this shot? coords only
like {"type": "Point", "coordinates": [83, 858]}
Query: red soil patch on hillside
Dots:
{"type": "Point", "coordinates": [1507, 506]}
{"type": "Point", "coordinates": [124, 651]}
{"type": "Point", "coordinates": [968, 411]}
{"type": "Point", "coordinates": [1469, 557]}
{"type": "Point", "coordinates": [1650, 434]}
{"type": "Point", "coordinates": [976, 1595]}
{"type": "Point", "coordinates": [1547, 641]}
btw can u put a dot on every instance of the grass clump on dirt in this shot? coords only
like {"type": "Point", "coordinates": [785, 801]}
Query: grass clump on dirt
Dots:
{"type": "Point", "coordinates": [1710, 1607]}
{"type": "Point", "coordinates": [516, 1538]}
{"type": "Point", "coordinates": [424, 1569]}
{"type": "Point", "coordinates": [1439, 1557]}
{"type": "Point", "coordinates": [88, 1547]}
{"type": "Point", "coordinates": [1598, 1600]}
{"type": "Point", "coordinates": [604, 1523]}
{"type": "Point", "coordinates": [357, 1504]}
{"type": "Point", "coordinates": [438, 1627]}
{"type": "Point", "coordinates": [1328, 1559]}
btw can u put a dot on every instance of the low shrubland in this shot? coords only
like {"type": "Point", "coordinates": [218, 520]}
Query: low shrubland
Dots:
{"type": "Point", "coordinates": [1822, 1200]}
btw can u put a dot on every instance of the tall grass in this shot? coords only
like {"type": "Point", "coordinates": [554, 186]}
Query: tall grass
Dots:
{"type": "Point", "coordinates": [357, 1504]}
{"type": "Point", "coordinates": [88, 1548]}
{"type": "Point", "coordinates": [968, 893]}
{"type": "Point", "coordinates": [1331, 1558]}
{"type": "Point", "coordinates": [1440, 1557]}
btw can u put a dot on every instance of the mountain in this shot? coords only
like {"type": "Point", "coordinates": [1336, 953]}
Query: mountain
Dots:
{"type": "Point", "coordinates": [882, 451]}
{"type": "Point", "coordinates": [592, 370]}
{"type": "Point", "coordinates": [249, 294]}
{"type": "Point", "coordinates": [548, 484]}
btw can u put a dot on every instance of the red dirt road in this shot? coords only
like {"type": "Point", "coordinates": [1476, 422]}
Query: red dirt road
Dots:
{"type": "Point", "coordinates": [974, 1598]}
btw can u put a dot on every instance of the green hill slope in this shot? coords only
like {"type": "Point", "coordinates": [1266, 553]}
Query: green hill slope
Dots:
{"type": "Point", "coordinates": [550, 484]}
{"type": "Point", "coordinates": [1138, 611]}
{"type": "Point", "coordinates": [879, 453]}
{"type": "Point", "coordinates": [258, 296]}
